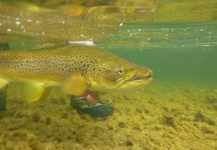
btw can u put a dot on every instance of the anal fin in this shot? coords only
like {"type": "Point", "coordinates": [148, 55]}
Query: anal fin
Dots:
{"type": "Point", "coordinates": [35, 92]}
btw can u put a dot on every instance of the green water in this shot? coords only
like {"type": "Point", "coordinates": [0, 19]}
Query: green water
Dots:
{"type": "Point", "coordinates": [188, 65]}
{"type": "Point", "coordinates": [182, 52]}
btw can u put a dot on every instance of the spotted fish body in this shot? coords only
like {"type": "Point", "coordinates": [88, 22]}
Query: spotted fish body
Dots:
{"type": "Point", "coordinates": [50, 66]}
{"type": "Point", "coordinates": [75, 68]}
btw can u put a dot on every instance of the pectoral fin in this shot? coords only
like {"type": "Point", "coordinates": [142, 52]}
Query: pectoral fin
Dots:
{"type": "Point", "coordinates": [35, 91]}
{"type": "Point", "coordinates": [75, 85]}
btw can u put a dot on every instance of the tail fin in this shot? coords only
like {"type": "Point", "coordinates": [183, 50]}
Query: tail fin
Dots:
{"type": "Point", "coordinates": [3, 93]}
{"type": "Point", "coordinates": [3, 87]}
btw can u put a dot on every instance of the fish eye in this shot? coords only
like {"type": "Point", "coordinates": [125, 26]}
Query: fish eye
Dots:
{"type": "Point", "coordinates": [120, 71]}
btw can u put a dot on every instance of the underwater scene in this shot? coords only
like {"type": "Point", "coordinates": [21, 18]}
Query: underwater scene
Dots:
{"type": "Point", "coordinates": [108, 74]}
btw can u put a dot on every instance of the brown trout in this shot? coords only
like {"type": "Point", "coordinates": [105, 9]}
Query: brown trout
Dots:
{"type": "Point", "coordinates": [77, 69]}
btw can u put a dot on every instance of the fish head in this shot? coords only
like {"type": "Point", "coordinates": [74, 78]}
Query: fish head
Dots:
{"type": "Point", "coordinates": [117, 74]}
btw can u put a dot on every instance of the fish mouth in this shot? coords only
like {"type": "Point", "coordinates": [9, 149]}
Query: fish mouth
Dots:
{"type": "Point", "coordinates": [135, 81]}
{"type": "Point", "coordinates": [139, 78]}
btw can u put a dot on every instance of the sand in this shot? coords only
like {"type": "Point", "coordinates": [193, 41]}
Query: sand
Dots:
{"type": "Point", "coordinates": [163, 115]}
